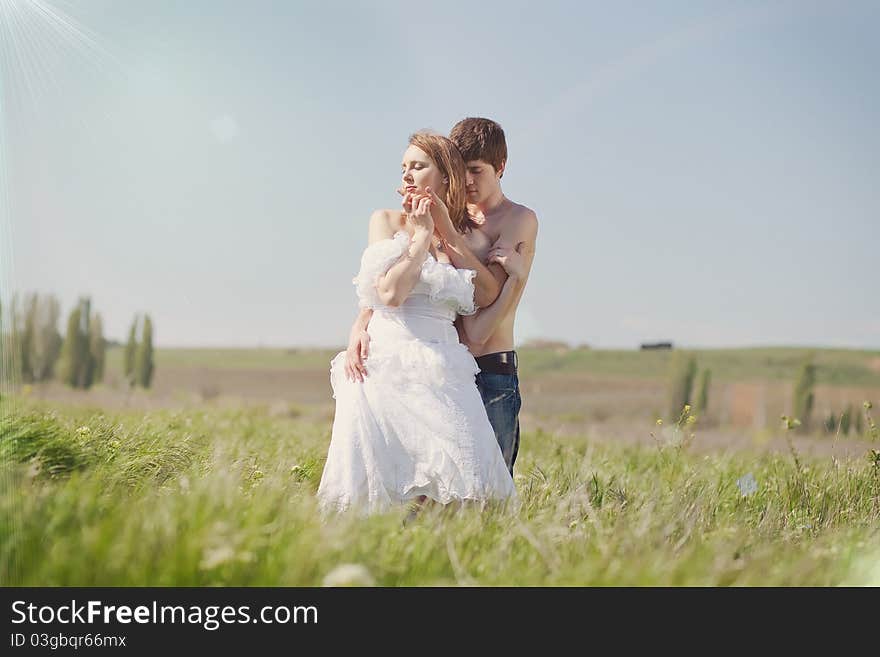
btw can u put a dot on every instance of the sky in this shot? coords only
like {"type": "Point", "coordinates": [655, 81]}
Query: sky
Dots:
{"type": "Point", "coordinates": [702, 172]}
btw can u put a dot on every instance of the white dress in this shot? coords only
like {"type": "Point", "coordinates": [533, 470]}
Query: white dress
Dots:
{"type": "Point", "coordinates": [416, 425]}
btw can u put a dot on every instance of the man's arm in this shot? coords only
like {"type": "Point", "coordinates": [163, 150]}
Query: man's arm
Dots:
{"type": "Point", "coordinates": [358, 346]}
{"type": "Point", "coordinates": [480, 326]}
{"type": "Point", "coordinates": [489, 279]}
{"type": "Point", "coordinates": [517, 263]}
{"type": "Point", "coordinates": [358, 349]}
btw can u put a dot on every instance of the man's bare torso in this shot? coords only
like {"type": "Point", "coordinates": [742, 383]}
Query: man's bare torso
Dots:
{"type": "Point", "coordinates": [500, 228]}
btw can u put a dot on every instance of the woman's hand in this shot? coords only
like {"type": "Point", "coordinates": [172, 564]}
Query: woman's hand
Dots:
{"type": "Point", "coordinates": [440, 214]}
{"type": "Point", "coordinates": [418, 213]}
{"type": "Point", "coordinates": [358, 350]}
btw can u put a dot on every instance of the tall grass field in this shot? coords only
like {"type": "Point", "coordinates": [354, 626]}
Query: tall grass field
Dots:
{"type": "Point", "coordinates": [214, 496]}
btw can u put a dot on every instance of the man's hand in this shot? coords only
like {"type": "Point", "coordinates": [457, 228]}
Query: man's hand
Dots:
{"type": "Point", "coordinates": [357, 352]}
{"type": "Point", "coordinates": [515, 261]}
{"type": "Point", "coordinates": [440, 213]}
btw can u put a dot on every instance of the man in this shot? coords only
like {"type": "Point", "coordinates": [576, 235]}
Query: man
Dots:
{"type": "Point", "coordinates": [504, 239]}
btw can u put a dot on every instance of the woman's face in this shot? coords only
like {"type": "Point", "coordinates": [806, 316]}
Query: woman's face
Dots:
{"type": "Point", "coordinates": [419, 171]}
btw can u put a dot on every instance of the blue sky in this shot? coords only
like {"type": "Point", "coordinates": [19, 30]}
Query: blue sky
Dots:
{"type": "Point", "coordinates": [702, 172]}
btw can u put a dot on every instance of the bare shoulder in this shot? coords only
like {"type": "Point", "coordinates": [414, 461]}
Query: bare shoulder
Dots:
{"type": "Point", "coordinates": [384, 223]}
{"type": "Point", "coordinates": [522, 223]}
{"type": "Point", "coordinates": [523, 216]}
{"type": "Point", "coordinates": [394, 219]}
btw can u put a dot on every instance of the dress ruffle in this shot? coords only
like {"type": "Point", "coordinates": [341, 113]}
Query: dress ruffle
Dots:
{"type": "Point", "coordinates": [448, 284]}
{"type": "Point", "coordinates": [442, 282]}
{"type": "Point", "coordinates": [377, 259]}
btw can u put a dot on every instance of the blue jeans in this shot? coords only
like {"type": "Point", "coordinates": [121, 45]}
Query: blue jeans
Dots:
{"type": "Point", "coordinates": [500, 393]}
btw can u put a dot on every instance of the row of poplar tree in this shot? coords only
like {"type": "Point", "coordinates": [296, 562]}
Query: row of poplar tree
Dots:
{"type": "Point", "coordinates": [683, 375]}
{"type": "Point", "coordinates": [34, 350]}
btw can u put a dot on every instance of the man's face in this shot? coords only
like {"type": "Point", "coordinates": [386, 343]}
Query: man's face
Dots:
{"type": "Point", "coordinates": [482, 181]}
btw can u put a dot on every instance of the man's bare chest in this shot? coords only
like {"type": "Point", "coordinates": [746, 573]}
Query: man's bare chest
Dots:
{"type": "Point", "coordinates": [488, 234]}
{"type": "Point", "coordinates": [479, 243]}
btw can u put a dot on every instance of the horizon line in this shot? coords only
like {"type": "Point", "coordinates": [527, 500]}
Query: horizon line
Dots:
{"type": "Point", "coordinates": [559, 343]}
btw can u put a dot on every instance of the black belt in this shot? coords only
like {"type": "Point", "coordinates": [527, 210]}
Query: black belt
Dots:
{"type": "Point", "coordinates": [502, 362]}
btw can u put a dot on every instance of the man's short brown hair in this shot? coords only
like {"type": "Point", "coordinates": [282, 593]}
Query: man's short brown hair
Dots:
{"type": "Point", "coordinates": [480, 139]}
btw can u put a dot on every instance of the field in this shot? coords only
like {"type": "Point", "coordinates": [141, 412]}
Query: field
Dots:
{"type": "Point", "coordinates": [209, 479]}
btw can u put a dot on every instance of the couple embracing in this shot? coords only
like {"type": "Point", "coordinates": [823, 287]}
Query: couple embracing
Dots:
{"type": "Point", "coordinates": [427, 393]}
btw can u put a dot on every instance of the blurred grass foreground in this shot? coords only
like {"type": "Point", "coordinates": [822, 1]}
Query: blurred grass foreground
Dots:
{"type": "Point", "coordinates": [176, 487]}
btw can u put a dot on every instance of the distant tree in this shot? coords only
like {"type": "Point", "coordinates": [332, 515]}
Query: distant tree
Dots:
{"type": "Point", "coordinates": [845, 419]}
{"type": "Point", "coordinates": [13, 352]}
{"type": "Point", "coordinates": [86, 362]}
{"type": "Point", "coordinates": [46, 342]}
{"type": "Point", "coordinates": [130, 351]}
{"type": "Point", "coordinates": [78, 364]}
{"type": "Point", "coordinates": [96, 348]}
{"type": "Point", "coordinates": [29, 339]}
{"type": "Point", "coordinates": [830, 422]}
{"type": "Point", "coordinates": [703, 391]}
{"type": "Point", "coordinates": [26, 337]}
{"type": "Point", "coordinates": [803, 393]}
{"type": "Point", "coordinates": [71, 351]}
{"type": "Point", "coordinates": [144, 359]}
{"type": "Point", "coordinates": [683, 368]}
{"type": "Point", "coordinates": [10, 336]}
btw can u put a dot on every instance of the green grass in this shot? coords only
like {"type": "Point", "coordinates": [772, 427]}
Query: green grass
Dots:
{"type": "Point", "coordinates": [226, 497]}
{"type": "Point", "coordinates": [834, 366]}
{"type": "Point", "coordinates": [229, 358]}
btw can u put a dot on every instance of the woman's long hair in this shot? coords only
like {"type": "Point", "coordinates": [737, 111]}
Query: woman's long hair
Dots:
{"type": "Point", "coordinates": [448, 159]}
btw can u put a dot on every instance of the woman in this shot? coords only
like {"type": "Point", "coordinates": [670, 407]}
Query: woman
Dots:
{"type": "Point", "coordinates": [415, 427]}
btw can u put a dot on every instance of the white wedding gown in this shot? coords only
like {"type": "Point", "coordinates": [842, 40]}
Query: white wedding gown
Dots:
{"type": "Point", "coordinates": [416, 425]}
